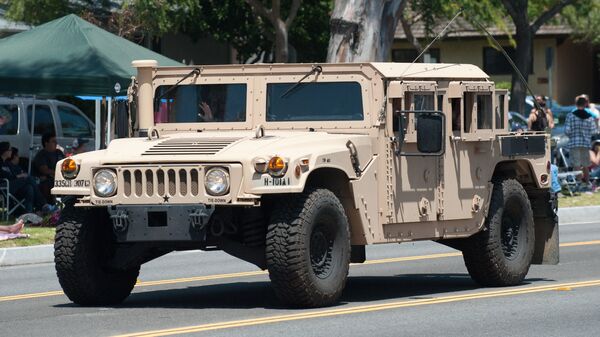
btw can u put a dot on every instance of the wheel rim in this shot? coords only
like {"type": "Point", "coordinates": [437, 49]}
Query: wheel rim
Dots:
{"type": "Point", "coordinates": [511, 232]}
{"type": "Point", "coordinates": [321, 248]}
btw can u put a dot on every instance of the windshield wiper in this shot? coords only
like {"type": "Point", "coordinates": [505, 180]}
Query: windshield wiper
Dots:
{"type": "Point", "coordinates": [196, 72]}
{"type": "Point", "coordinates": [315, 69]}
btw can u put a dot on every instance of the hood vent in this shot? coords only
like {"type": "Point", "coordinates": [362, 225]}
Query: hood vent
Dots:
{"type": "Point", "coordinates": [190, 146]}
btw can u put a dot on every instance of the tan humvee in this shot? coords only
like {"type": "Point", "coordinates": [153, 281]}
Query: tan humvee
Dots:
{"type": "Point", "coordinates": [297, 167]}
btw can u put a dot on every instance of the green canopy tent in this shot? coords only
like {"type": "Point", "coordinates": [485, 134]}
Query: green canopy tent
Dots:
{"type": "Point", "coordinates": [70, 56]}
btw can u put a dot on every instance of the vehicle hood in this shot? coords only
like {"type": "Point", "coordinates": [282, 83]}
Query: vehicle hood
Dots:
{"type": "Point", "coordinates": [228, 147]}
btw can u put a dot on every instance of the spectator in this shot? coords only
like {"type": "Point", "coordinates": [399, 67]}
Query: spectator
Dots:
{"type": "Point", "coordinates": [79, 146]}
{"type": "Point", "coordinates": [21, 185]}
{"type": "Point", "coordinates": [540, 120]}
{"type": "Point", "coordinates": [595, 159]}
{"type": "Point", "coordinates": [579, 127]}
{"type": "Point", "coordinates": [14, 163]}
{"type": "Point", "coordinates": [44, 164]}
{"type": "Point", "coordinates": [12, 229]}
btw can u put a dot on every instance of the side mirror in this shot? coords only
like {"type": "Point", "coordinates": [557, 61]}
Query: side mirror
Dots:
{"type": "Point", "coordinates": [430, 133]}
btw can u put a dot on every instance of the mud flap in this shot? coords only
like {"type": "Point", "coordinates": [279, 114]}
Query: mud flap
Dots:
{"type": "Point", "coordinates": [546, 230]}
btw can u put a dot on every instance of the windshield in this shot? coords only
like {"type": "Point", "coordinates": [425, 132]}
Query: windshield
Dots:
{"type": "Point", "coordinates": [335, 101]}
{"type": "Point", "coordinates": [201, 103]}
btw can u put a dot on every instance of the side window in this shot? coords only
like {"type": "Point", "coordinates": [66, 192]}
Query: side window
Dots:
{"type": "Point", "coordinates": [396, 108]}
{"type": "Point", "coordinates": [456, 114]}
{"type": "Point", "coordinates": [9, 119]}
{"type": "Point", "coordinates": [469, 101]}
{"type": "Point", "coordinates": [73, 123]}
{"type": "Point", "coordinates": [43, 119]}
{"type": "Point", "coordinates": [500, 112]}
{"type": "Point", "coordinates": [484, 112]}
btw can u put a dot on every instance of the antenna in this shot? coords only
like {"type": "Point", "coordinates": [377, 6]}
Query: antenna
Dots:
{"type": "Point", "coordinates": [433, 41]}
{"type": "Point", "coordinates": [512, 64]}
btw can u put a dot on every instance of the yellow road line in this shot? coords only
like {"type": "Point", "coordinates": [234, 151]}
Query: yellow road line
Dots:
{"type": "Point", "coordinates": [260, 272]}
{"type": "Point", "coordinates": [581, 243]}
{"type": "Point", "coordinates": [360, 309]}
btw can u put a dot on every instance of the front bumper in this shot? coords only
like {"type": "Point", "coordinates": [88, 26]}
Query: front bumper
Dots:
{"type": "Point", "coordinates": [145, 223]}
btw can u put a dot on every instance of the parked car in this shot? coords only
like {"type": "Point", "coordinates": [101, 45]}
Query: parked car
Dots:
{"type": "Point", "coordinates": [516, 121]}
{"type": "Point", "coordinates": [66, 120]}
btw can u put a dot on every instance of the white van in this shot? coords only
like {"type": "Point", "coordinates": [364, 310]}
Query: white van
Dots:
{"type": "Point", "coordinates": [66, 120]}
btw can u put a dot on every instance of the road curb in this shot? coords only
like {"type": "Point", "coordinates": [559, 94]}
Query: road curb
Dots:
{"type": "Point", "coordinates": [45, 253]}
{"type": "Point", "coordinates": [581, 214]}
{"type": "Point", "coordinates": [26, 255]}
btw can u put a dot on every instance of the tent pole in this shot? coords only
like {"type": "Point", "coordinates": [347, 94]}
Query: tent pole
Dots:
{"type": "Point", "coordinates": [32, 132]}
{"type": "Point", "coordinates": [97, 126]}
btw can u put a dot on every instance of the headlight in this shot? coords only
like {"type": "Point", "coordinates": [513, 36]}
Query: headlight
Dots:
{"type": "Point", "coordinates": [216, 181]}
{"type": "Point", "coordinates": [105, 183]}
{"type": "Point", "coordinates": [69, 168]}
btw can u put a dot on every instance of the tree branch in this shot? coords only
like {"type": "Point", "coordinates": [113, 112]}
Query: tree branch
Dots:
{"type": "Point", "coordinates": [258, 8]}
{"type": "Point", "coordinates": [293, 12]}
{"type": "Point", "coordinates": [510, 8]}
{"type": "Point", "coordinates": [549, 14]}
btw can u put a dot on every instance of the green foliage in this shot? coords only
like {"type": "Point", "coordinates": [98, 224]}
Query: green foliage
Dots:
{"type": "Point", "coordinates": [585, 21]}
{"type": "Point", "coordinates": [503, 85]}
{"type": "Point", "coordinates": [36, 12]}
{"type": "Point", "coordinates": [233, 22]}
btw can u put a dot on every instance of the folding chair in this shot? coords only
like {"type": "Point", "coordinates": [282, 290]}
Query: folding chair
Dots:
{"type": "Point", "coordinates": [9, 203]}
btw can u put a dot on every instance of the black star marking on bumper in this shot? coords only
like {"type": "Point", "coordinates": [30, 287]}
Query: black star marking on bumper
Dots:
{"type": "Point", "coordinates": [166, 198]}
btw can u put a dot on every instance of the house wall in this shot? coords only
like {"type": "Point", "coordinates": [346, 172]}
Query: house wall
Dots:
{"type": "Point", "coordinates": [576, 71]}
{"type": "Point", "coordinates": [572, 67]}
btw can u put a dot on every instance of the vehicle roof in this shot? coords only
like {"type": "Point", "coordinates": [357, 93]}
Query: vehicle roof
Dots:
{"type": "Point", "coordinates": [393, 70]}
{"type": "Point", "coordinates": [429, 70]}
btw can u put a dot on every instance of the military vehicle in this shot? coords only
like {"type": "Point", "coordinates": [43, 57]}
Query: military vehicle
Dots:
{"type": "Point", "coordinates": [297, 167]}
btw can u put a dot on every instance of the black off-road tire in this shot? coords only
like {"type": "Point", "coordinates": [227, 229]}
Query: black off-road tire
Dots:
{"type": "Point", "coordinates": [501, 254]}
{"type": "Point", "coordinates": [308, 248]}
{"type": "Point", "coordinates": [83, 245]}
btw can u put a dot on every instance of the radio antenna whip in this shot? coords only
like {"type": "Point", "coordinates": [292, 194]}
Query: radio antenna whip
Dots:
{"type": "Point", "coordinates": [510, 61]}
{"type": "Point", "coordinates": [440, 34]}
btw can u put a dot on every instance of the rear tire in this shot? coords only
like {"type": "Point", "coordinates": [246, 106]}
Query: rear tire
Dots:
{"type": "Point", "coordinates": [308, 248]}
{"type": "Point", "coordinates": [501, 254]}
{"type": "Point", "coordinates": [82, 248]}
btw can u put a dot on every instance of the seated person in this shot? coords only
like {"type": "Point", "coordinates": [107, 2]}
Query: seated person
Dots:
{"type": "Point", "coordinates": [12, 229]}
{"type": "Point", "coordinates": [14, 163]}
{"type": "Point", "coordinates": [22, 185]}
{"type": "Point", "coordinates": [595, 159]}
{"type": "Point", "coordinates": [44, 164]}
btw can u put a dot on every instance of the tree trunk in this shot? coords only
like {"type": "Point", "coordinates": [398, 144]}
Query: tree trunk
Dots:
{"type": "Point", "coordinates": [281, 42]}
{"type": "Point", "coordinates": [362, 30]}
{"type": "Point", "coordinates": [524, 53]}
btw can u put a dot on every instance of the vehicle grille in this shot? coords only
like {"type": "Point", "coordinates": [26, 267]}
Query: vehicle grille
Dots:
{"type": "Point", "coordinates": [148, 182]}
{"type": "Point", "coordinates": [187, 146]}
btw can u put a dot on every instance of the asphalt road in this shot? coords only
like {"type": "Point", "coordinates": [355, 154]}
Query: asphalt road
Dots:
{"type": "Point", "coordinates": [414, 289]}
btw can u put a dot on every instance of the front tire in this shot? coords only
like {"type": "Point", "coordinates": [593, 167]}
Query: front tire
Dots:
{"type": "Point", "coordinates": [501, 254]}
{"type": "Point", "coordinates": [308, 248]}
{"type": "Point", "coordinates": [82, 248]}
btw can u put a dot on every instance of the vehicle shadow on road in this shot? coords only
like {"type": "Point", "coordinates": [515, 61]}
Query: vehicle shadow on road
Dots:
{"type": "Point", "coordinates": [409, 286]}
{"type": "Point", "coordinates": [259, 294]}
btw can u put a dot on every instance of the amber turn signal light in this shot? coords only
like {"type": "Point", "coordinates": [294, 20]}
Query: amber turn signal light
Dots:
{"type": "Point", "coordinates": [69, 168]}
{"type": "Point", "coordinates": [277, 166]}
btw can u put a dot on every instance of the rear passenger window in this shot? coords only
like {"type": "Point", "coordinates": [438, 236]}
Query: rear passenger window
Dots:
{"type": "Point", "coordinates": [73, 123]}
{"type": "Point", "coordinates": [484, 112]}
{"type": "Point", "coordinates": [43, 119]}
{"type": "Point", "coordinates": [9, 119]}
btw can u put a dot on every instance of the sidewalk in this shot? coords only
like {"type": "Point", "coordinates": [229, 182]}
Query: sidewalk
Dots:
{"type": "Point", "coordinates": [45, 253]}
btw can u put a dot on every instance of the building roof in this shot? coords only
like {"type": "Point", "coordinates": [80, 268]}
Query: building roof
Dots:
{"type": "Point", "coordinates": [462, 28]}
